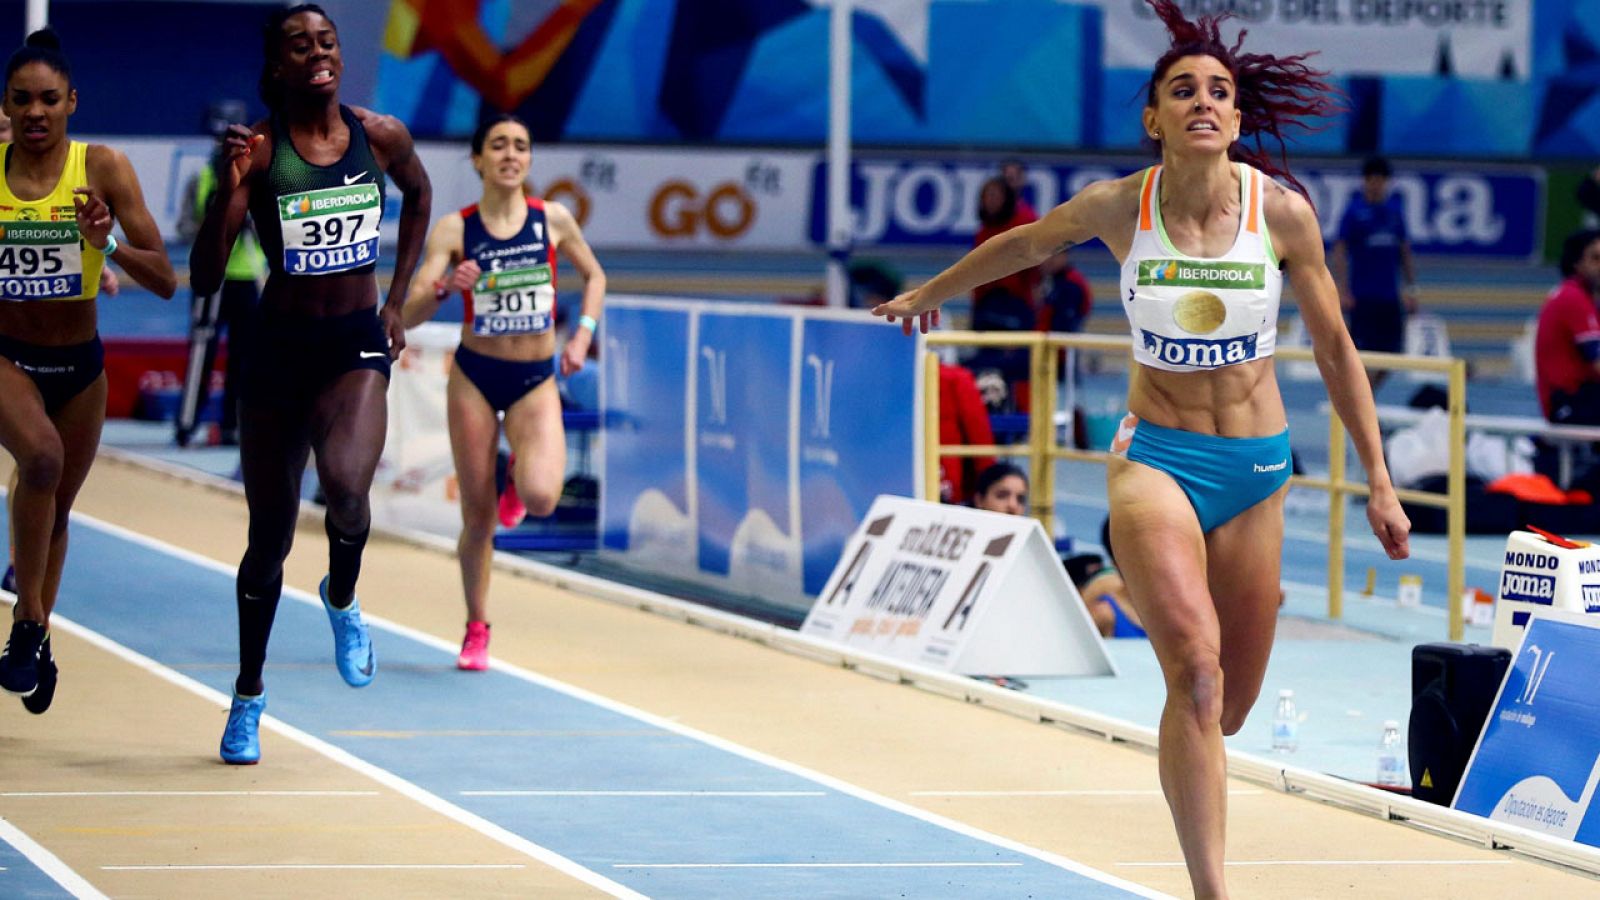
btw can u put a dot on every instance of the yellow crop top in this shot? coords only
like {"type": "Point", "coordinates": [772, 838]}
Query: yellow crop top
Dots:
{"type": "Point", "coordinates": [42, 256]}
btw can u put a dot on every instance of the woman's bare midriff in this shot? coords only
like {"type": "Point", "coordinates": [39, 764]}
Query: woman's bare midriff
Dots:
{"type": "Point", "coordinates": [514, 347]}
{"type": "Point", "coordinates": [1233, 401]}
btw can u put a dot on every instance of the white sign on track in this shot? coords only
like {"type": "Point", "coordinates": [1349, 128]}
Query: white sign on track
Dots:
{"type": "Point", "coordinates": [960, 589]}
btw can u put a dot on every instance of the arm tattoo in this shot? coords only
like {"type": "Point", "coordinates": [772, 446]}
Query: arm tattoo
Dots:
{"type": "Point", "coordinates": [1065, 246]}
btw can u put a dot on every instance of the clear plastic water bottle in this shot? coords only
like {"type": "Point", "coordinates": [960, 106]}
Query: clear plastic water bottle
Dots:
{"type": "Point", "coordinates": [1391, 756]}
{"type": "Point", "coordinates": [1285, 724]}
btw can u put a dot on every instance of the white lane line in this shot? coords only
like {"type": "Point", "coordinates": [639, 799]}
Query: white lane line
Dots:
{"type": "Point", "coordinates": [53, 794]}
{"type": "Point", "coordinates": [48, 863]}
{"type": "Point", "coordinates": [842, 865]}
{"type": "Point", "coordinates": [577, 693]}
{"type": "Point", "coordinates": [382, 776]}
{"type": "Point", "coordinates": [496, 732]}
{"type": "Point", "coordinates": [1330, 862]}
{"type": "Point", "coordinates": [644, 793]}
{"type": "Point", "coordinates": [299, 866]}
{"type": "Point", "coordinates": [1152, 792]}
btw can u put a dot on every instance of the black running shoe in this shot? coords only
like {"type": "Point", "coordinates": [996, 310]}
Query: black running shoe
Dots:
{"type": "Point", "coordinates": [19, 662]}
{"type": "Point", "coordinates": [39, 701]}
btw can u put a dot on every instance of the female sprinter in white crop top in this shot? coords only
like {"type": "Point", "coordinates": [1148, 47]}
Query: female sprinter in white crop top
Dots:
{"type": "Point", "coordinates": [1197, 481]}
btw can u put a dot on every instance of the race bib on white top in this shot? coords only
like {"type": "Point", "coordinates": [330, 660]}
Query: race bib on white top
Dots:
{"type": "Point", "coordinates": [516, 301]}
{"type": "Point", "coordinates": [40, 261]}
{"type": "Point", "coordinates": [330, 230]}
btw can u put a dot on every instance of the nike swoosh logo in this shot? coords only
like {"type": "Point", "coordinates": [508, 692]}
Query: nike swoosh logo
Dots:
{"type": "Point", "coordinates": [372, 354]}
{"type": "Point", "coordinates": [352, 179]}
{"type": "Point", "coordinates": [371, 663]}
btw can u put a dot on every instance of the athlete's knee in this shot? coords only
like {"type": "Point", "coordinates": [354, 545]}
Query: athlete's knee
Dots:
{"type": "Point", "coordinates": [41, 463]}
{"type": "Point", "coordinates": [347, 507]}
{"type": "Point", "coordinates": [257, 569]}
{"type": "Point", "coordinates": [539, 501]}
{"type": "Point", "coordinates": [477, 524]}
{"type": "Point", "coordinates": [1197, 684]}
{"type": "Point", "coordinates": [268, 546]}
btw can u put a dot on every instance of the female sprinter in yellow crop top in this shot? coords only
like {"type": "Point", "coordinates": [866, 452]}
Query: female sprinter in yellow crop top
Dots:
{"type": "Point", "coordinates": [58, 199]}
{"type": "Point", "coordinates": [1201, 464]}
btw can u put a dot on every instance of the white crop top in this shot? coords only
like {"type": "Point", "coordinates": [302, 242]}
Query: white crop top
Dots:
{"type": "Point", "coordinates": [1190, 314]}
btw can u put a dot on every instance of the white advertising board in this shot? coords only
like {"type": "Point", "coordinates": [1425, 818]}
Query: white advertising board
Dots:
{"type": "Point", "coordinates": [960, 589]}
{"type": "Point", "coordinates": [656, 197]}
{"type": "Point", "coordinates": [1540, 574]}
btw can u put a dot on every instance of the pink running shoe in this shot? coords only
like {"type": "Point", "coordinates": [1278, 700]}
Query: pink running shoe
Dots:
{"type": "Point", "coordinates": [512, 511]}
{"type": "Point", "coordinates": [475, 649]}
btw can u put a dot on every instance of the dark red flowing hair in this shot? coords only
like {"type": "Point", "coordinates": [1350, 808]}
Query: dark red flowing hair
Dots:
{"type": "Point", "coordinates": [1273, 93]}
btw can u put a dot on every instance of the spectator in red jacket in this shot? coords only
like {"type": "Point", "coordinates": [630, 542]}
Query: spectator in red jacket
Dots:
{"type": "Point", "coordinates": [963, 419]}
{"type": "Point", "coordinates": [1567, 345]}
{"type": "Point", "coordinates": [1015, 172]}
{"type": "Point", "coordinates": [999, 212]}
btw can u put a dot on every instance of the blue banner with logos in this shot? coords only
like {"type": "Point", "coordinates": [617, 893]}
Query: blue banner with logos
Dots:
{"type": "Point", "coordinates": [644, 366]}
{"type": "Point", "coordinates": [1470, 211]}
{"type": "Point", "coordinates": [847, 455]}
{"type": "Point", "coordinates": [743, 444]}
{"type": "Point", "coordinates": [742, 424]}
{"type": "Point", "coordinates": [1537, 763]}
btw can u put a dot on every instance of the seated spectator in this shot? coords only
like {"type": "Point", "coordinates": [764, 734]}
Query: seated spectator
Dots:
{"type": "Point", "coordinates": [1567, 346]}
{"type": "Point", "coordinates": [963, 419]}
{"type": "Point", "coordinates": [1001, 488]}
{"type": "Point", "coordinates": [1103, 590]}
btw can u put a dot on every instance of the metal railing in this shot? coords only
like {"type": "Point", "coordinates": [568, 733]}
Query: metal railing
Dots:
{"type": "Point", "coordinates": [1044, 450]}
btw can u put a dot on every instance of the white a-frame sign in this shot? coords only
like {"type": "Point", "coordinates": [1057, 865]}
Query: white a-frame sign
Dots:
{"type": "Point", "coordinates": [960, 589]}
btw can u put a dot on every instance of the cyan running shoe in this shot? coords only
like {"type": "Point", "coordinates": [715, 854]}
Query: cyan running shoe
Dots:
{"type": "Point", "coordinates": [241, 743]}
{"type": "Point", "coordinates": [40, 700]}
{"type": "Point", "coordinates": [352, 649]}
{"type": "Point", "coordinates": [19, 661]}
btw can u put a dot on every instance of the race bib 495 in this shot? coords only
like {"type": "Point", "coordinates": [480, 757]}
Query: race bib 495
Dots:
{"type": "Point", "coordinates": [330, 230]}
{"type": "Point", "coordinates": [40, 261]}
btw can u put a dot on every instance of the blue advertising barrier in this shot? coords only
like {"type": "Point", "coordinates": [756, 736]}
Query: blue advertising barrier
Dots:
{"type": "Point", "coordinates": [743, 443]}
{"type": "Point", "coordinates": [1478, 211]}
{"type": "Point", "coordinates": [743, 470]}
{"type": "Point", "coordinates": [1537, 762]}
{"type": "Point", "coordinates": [645, 378]}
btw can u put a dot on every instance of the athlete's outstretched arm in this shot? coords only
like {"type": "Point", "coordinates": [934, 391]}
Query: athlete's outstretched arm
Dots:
{"type": "Point", "coordinates": [569, 241]}
{"type": "Point", "coordinates": [1298, 239]}
{"type": "Point", "coordinates": [143, 255]}
{"type": "Point", "coordinates": [430, 287]}
{"type": "Point", "coordinates": [1092, 212]}
{"type": "Point", "coordinates": [400, 161]}
{"type": "Point", "coordinates": [245, 153]}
